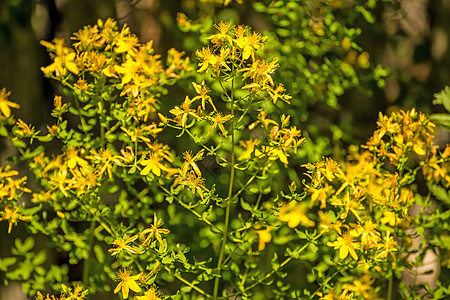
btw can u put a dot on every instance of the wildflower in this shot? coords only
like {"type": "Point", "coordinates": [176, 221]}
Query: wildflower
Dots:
{"type": "Point", "coordinates": [5, 104]}
{"type": "Point", "coordinates": [190, 162]}
{"type": "Point", "coordinates": [218, 120]}
{"type": "Point", "coordinates": [207, 58]}
{"type": "Point", "coordinates": [388, 246]}
{"type": "Point", "coordinates": [122, 244]}
{"type": "Point", "coordinates": [127, 282]}
{"type": "Point", "coordinates": [63, 58]}
{"type": "Point", "coordinates": [345, 245]}
{"type": "Point", "coordinates": [153, 164]}
{"type": "Point", "coordinates": [278, 93]}
{"type": "Point", "coordinates": [127, 154]}
{"type": "Point", "coordinates": [248, 42]}
{"type": "Point", "coordinates": [177, 64]}
{"type": "Point", "coordinates": [275, 153]}
{"type": "Point", "coordinates": [73, 159]}
{"type": "Point", "coordinates": [349, 203]}
{"type": "Point", "coordinates": [260, 72]}
{"type": "Point", "coordinates": [154, 231]}
{"type": "Point", "coordinates": [202, 91]}
{"type": "Point", "coordinates": [127, 44]}
{"type": "Point", "coordinates": [182, 20]}
{"type": "Point", "coordinates": [77, 294]}
{"type": "Point", "coordinates": [222, 37]}
{"type": "Point", "coordinates": [183, 111]}
{"type": "Point", "coordinates": [249, 146]}
{"type": "Point", "coordinates": [320, 194]}
{"type": "Point", "coordinates": [369, 235]}
{"type": "Point", "coordinates": [193, 181]}
{"type": "Point", "coordinates": [390, 218]}
{"type": "Point", "coordinates": [150, 294]}
{"type": "Point", "coordinates": [24, 130]}
{"type": "Point", "coordinates": [264, 236]}
{"type": "Point", "coordinates": [105, 159]}
{"type": "Point", "coordinates": [295, 213]}
{"type": "Point", "coordinates": [361, 287]}
{"type": "Point", "coordinates": [327, 168]}
{"type": "Point", "coordinates": [326, 223]}
{"type": "Point", "coordinates": [12, 216]}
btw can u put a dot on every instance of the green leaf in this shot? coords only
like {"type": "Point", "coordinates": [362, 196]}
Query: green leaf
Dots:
{"type": "Point", "coordinates": [440, 193]}
{"type": "Point", "coordinates": [31, 154]}
{"type": "Point", "coordinates": [99, 253]}
{"type": "Point", "coordinates": [441, 119]}
{"type": "Point", "coordinates": [245, 205]}
{"type": "Point", "coordinates": [366, 14]}
{"type": "Point", "coordinates": [443, 98]}
{"type": "Point", "coordinates": [39, 258]}
{"type": "Point", "coordinates": [3, 130]}
{"type": "Point", "coordinates": [19, 143]}
{"type": "Point", "coordinates": [45, 138]}
{"type": "Point", "coordinates": [6, 262]}
{"type": "Point", "coordinates": [23, 248]}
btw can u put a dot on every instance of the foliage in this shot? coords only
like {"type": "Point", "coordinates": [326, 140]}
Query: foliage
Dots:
{"type": "Point", "coordinates": [203, 199]}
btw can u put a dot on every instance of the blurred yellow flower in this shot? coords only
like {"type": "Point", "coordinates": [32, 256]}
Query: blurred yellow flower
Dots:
{"type": "Point", "coordinates": [5, 104]}
{"type": "Point", "coordinates": [295, 213]}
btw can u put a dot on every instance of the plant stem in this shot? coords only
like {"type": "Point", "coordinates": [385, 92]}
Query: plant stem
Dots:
{"type": "Point", "coordinates": [102, 119]}
{"type": "Point", "coordinates": [230, 196]}
{"type": "Point", "coordinates": [390, 285]}
{"type": "Point", "coordinates": [90, 245]}
{"type": "Point", "coordinates": [82, 120]}
{"type": "Point", "coordinates": [285, 262]}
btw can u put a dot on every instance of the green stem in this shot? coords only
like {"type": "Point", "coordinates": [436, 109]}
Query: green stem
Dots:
{"type": "Point", "coordinates": [230, 197]}
{"type": "Point", "coordinates": [390, 285]}
{"type": "Point", "coordinates": [102, 126]}
{"type": "Point", "coordinates": [82, 120]}
{"type": "Point", "coordinates": [285, 262]}
{"type": "Point", "coordinates": [190, 284]}
{"type": "Point", "coordinates": [90, 245]}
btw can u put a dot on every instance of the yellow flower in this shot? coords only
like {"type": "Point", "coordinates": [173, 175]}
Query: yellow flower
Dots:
{"type": "Point", "coordinates": [5, 105]}
{"type": "Point", "coordinates": [222, 36]}
{"type": "Point", "coordinates": [207, 58]}
{"type": "Point", "coordinates": [202, 90]}
{"type": "Point", "coordinates": [264, 236]}
{"type": "Point", "coordinates": [122, 244]}
{"type": "Point", "coordinates": [153, 164]}
{"type": "Point", "coordinates": [73, 159]}
{"type": "Point", "coordinates": [278, 93]}
{"type": "Point", "coordinates": [249, 146]}
{"type": "Point", "coordinates": [345, 245]}
{"type": "Point", "coordinates": [369, 235]}
{"type": "Point", "coordinates": [361, 287]}
{"type": "Point", "coordinates": [127, 283]}
{"type": "Point", "coordinates": [181, 113]}
{"type": "Point", "coordinates": [248, 42]}
{"type": "Point", "coordinates": [104, 159]}
{"type": "Point", "coordinates": [388, 246]}
{"type": "Point", "coordinates": [326, 223]}
{"type": "Point", "coordinates": [390, 218]}
{"type": "Point", "coordinates": [190, 162]}
{"type": "Point", "coordinates": [63, 58]}
{"type": "Point", "coordinates": [150, 294]}
{"type": "Point", "coordinates": [24, 130]}
{"type": "Point", "coordinates": [127, 44]}
{"type": "Point", "coordinates": [218, 120]}
{"type": "Point", "coordinates": [154, 231]}
{"type": "Point", "coordinates": [295, 213]}
{"type": "Point", "coordinates": [12, 216]}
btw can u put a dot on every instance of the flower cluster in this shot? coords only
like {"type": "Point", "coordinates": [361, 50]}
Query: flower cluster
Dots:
{"type": "Point", "coordinates": [11, 189]}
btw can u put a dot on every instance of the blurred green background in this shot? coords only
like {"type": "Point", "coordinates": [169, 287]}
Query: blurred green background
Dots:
{"type": "Point", "coordinates": [408, 37]}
